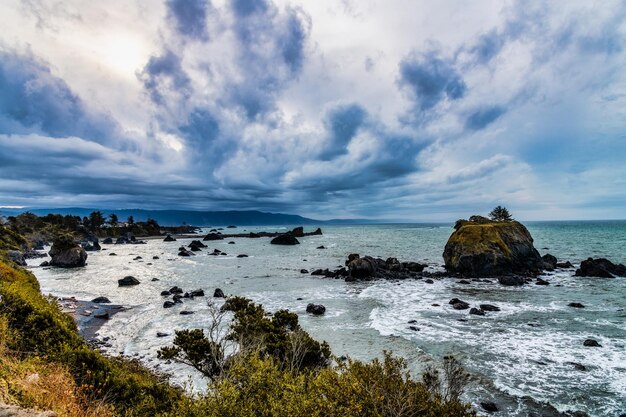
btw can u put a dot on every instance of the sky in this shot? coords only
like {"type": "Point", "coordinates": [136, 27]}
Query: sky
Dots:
{"type": "Point", "coordinates": [394, 109]}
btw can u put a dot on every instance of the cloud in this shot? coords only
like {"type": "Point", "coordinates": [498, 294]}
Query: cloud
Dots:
{"type": "Point", "coordinates": [190, 17]}
{"type": "Point", "coordinates": [342, 124]}
{"type": "Point", "coordinates": [163, 75]}
{"type": "Point", "coordinates": [34, 100]}
{"type": "Point", "coordinates": [484, 116]}
{"type": "Point", "coordinates": [428, 80]}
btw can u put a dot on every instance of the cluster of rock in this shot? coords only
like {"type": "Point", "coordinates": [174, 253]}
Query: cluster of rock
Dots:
{"type": "Point", "coordinates": [126, 239]}
{"type": "Point", "coordinates": [178, 295]}
{"type": "Point", "coordinates": [481, 310]}
{"type": "Point", "coordinates": [600, 267]}
{"type": "Point", "coordinates": [66, 253]}
{"type": "Point", "coordinates": [365, 268]}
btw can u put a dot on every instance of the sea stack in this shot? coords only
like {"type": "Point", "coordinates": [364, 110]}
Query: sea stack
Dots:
{"type": "Point", "coordinates": [480, 247]}
{"type": "Point", "coordinates": [66, 253]}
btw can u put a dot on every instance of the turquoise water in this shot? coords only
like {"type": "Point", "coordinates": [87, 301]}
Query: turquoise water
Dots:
{"type": "Point", "coordinates": [519, 357]}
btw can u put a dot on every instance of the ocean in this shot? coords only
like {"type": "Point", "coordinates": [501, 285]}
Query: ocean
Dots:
{"type": "Point", "coordinates": [521, 357]}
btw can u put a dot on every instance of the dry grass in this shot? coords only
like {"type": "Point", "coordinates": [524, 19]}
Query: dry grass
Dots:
{"type": "Point", "coordinates": [33, 383]}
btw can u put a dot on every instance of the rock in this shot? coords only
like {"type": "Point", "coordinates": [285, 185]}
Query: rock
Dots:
{"type": "Point", "coordinates": [161, 334]}
{"type": "Point", "coordinates": [489, 307]}
{"type": "Point", "coordinates": [511, 280]}
{"type": "Point", "coordinates": [128, 281]}
{"type": "Point", "coordinates": [136, 258]}
{"type": "Point", "coordinates": [315, 309]}
{"type": "Point", "coordinates": [242, 256]}
{"type": "Point", "coordinates": [104, 315]}
{"type": "Point", "coordinates": [185, 253]}
{"type": "Point", "coordinates": [484, 248]}
{"type": "Point", "coordinates": [44, 263]}
{"type": "Point", "coordinates": [321, 247]}
{"type": "Point", "coordinates": [197, 293]}
{"type": "Point", "coordinates": [285, 239]}
{"type": "Point", "coordinates": [169, 304]}
{"type": "Point", "coordinates": [108, 241]}
{"type": "Point", "coordinates": [169, 238]}
{"type": "Point", "coordinates": [66, 253]}
{"type": "Point", "coordinates": [176, 290]}
{"type": "Point", "coordinates": [196, 244]}
{"type": "Point", "coordinates": [601, 267]}
{"type": "Point", "coordinates": [429, 281]}
{"type": "Point", "coordinates": [304, 271]}
{"type": "Point", "coordinates": [298, 232]}
{"type": "Point", "coordinates": [213, 236]}
{"type": "Point", "coordinates": [464, 281]}
{"type": "Point", "coordinates": [591, 343]}
{"type": "Point", "coordinates": [232, 226]}
{"type": "Point", "coordinates": [577, 366]}
{"type": "Point", "coordinates": [549, 261]}
{"type": "Point", "coordinates": [458, 304]}
{"type": "Point", "coordinates": [541, 282]}
{"type": "Point", "coordinates": [316, 232]}
{"type": "Point", "coordinates": [155, 257]}
{"type": "Point", "coordinates": [414, 328]}
{"type": "Point", "coordinates": [218, 293]}
{"type": "Point", "coordinates": [92, 247]}
{"type": "Point", "coordinates": [121, 240]}
{"type": "Point", "coordinates": [254, 235]}
{"type": "Point", "coordinates": [414, 266]}
{"type": "Point", "coordinates": [476, 311]}
{"type": "Point", "coordinates": [186, 313]}
{"type": "Point", "coordinates": [351, 258]}
{"type": "Point", "coordinates": [112, 254]}
{"type": "Point", "coordinates": [154, 279]}
{"type": "Point", "coordinates": [101, 300]}
{"type": "Point", "coordinates": [412, 321]}
{"type": "Point", "coordinates": [177, 298]}
{"type": "Point", "coordinates": [362, 268]}
{"type": "Point", "coordinates": [231, 243]}
{"type": "Point", "coordinates": [567, 264]}
{"type": "Point", "coordinates": [576, 305]}
{"type": "Point", "coordinates": [165, 293]}
{"type": "Point", "coordinates": [17, 257]}
{"type": "Point", "coordinates": [489, 406]}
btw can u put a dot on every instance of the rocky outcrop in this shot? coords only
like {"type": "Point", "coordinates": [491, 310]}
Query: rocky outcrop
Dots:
{"type": "Point", "coordinates": [66, 253]}
{"type": "Point", "coordinates": [600, 267]}
{"type": "Point", "coordinates": [367, 268]}
{"type": "Point", "coordinates": [315, 309]}
{"type": "Point", "coordinates": [298, 231]}
{"type": "Point", "coordinates": [213, 236]}
{"type": "Point", "coordinates": [169, 238]}
{"type": "Point", "coordinates": [285, 239]}
{"type": "Point", "coordinates": [484, 248]}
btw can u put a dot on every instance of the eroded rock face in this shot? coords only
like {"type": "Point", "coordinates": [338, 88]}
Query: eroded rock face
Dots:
{"type": "Point", "coordinates": [66, 253]}
{"type": "Point", "coordinates": [486, 248]}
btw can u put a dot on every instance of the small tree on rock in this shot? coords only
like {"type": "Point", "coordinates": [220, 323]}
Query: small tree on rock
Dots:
{"type": "Point", "coordinates": [500, 214]}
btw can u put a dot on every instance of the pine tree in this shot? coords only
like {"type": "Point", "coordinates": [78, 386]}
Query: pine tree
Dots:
{"type": "Point", "coordinates": [500, 214]}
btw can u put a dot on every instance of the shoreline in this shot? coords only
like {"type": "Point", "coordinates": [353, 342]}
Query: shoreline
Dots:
{"type": "Point", "coordinates": [87, 315]}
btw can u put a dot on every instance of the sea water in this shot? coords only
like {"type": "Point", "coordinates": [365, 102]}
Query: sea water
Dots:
{"type": "Point", "coordinates": [522, 356]}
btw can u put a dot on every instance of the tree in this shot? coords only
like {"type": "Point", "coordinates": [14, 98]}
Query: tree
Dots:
{"type": "Point", "coordinates": [113, 219]}
{"type": "Point", "coordinates": [131, 220]}
{"type": "Point", "coordinates": [500, 214]}
{"type": "Point", "coordinates": [96, 220]}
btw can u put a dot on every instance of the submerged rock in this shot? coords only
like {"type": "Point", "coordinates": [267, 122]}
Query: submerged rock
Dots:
{"type": "Point", "coordinates": [511, 280]}
{"type": "Point", "coordinates": [576, 305]}
{"type": "Point", "coordinates": [66, 253]}
{"type": "Point", "coordinates": [485, 248]}
{"type": "Point", "coordinates": [489, 307]}
{"type": "Point", "coordinates": [489, 406]}
{"type": "Point", "coordinates": [591, 343]}
{"type": "Point", "coordinates": [601, 267]}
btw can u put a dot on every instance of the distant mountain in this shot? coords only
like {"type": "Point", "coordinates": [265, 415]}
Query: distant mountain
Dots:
{"type": "Point", "coordinates": [195, 218]}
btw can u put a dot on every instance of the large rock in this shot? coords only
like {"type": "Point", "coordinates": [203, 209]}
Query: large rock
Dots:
{"type": "Point", "coordinates": [298, 231]}
{"type": "Point", "coordinates": [128, 281]}
{"type": "Point", "coordinates": [169, 238]}
{"type": "Point", "coordinates": [285, 239]}
{"type": "Point", "coordinates": [315, 309]}
{"type": "Point", "coordinates": [362, 268]}
{"type": "Point", "coordinates": [484, 248]}
{"type": "Point", "coordinates": [213, 236]}
{"type": "Point", "coordinates": [600, 267]}
{"type": "Point", "coordinates": [66, 253]}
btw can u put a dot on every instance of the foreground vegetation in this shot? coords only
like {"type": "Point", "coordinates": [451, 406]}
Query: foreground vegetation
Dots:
{"type": "Point", "coordinates": [256, 364]}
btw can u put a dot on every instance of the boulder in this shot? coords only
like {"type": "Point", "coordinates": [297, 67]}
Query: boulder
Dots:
{"type": "Point", "coordinates": [165, 293]}
{"type": "Point", "coordinates": [243, 255]}
{"type": "Point", "coordinates": [213, 236]}
{"type": "Point", "coordinates": [101, 300]}
{"type": "Point", "coordinates": [352, 257]}
{"type": "Point", "coordinates": [169, 238]}
{"type": "Point", "coordinates": [66, 253]}
{"type": "Point", "coordinates": [92, 247]}
{"type": "Point", "coordinates": [429, 281]}
{"type": "Point", "coordinates": [218, 293]}
{"type": "Point", "coordinates": [176, 290]}
{"type": "Point", "coordinates": [44, 263]}
{"type": "Point", "coordinates": [285, 239]}
{"type": "Point", "coordinates": [162, 334]}
{"type": "Point", "coordinates": [121, 240]}
{"type": "Point", "coordinates": [489, 307]}
{"type": "Point", "coordinates": [298, 231]}
{"type": "Point", "coordinates": [112, 254]}
{"type": "Point", "coordinates": [128, 281]}
{"type": "Point", "coordinates": [477, 311]}
{"type": "Point", "coordinates": [196, 244]}
{"type": "Point", "coordinates": [197, 293]}
{"type": "Point", "coordinates": [168, 304]}
{"type": "Point", "coordinates": [601, 267]}
{"type": "Point", "coordinates": [108, 241]}
{"type": "Point", "coordinates": [549, 261]}
{"type": "Point", "coordinates": [511, 280]}
{"type": "Point", "coordinates": [315, 309]}
{"type": "Point", "coordinates": [489, 406]}
{"type": "Point", "coordinates": [362, 268]}
{"type": "Point", "coordinates": [321, 247]}
{"type": "Point", "coordinates": [541, 282]}
{"type": "Point", "coordinates": [104, 315]}
{"type": "Point", "coordinates": [591, 343]}
{"type": "Point", "coordinates": [458, 304]}
{"type": "Point", "coordinates": [305, 271]}
{"type": "Point", "coordinates": [567, 264]}
{"type": "Point", "coordinates": [17, 257]}
{"type": "Point", "coordinates": [186, 313]}
{"type": "Point", "coordinates": [484, 248]}
{"type": "Point", "coordinates": [576, 305]}
{"type": "Point", "coordinates": [316, 232]}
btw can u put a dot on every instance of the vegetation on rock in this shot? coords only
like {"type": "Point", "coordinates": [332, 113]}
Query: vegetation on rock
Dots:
{"type": "Point", "coordinates": [500, 214]}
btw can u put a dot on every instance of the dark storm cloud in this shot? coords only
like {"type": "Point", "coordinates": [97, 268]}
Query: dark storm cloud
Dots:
{"type": "Point", "coordinates": [33, 100]}
{"type": "Point", "coordinates": [429, 79]}
{"type": "Point", "coordinates": [164, 74]}
{"type": "Point", "coordinates": [293, 40]}
{"type": "Point", "coordinates": [342, 124]}
{"type": "Point", "coordinates": [484, 116]}
{"type": "Point", "coordinates": [244, 8]}
{"type": "Point", "coordinates": [190, 17]}
{"type": "Point", "coordinates": [202, 127]}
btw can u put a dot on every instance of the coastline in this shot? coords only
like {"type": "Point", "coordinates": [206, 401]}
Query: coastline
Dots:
{"type": "Point", "coordinates": [88, 315]}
